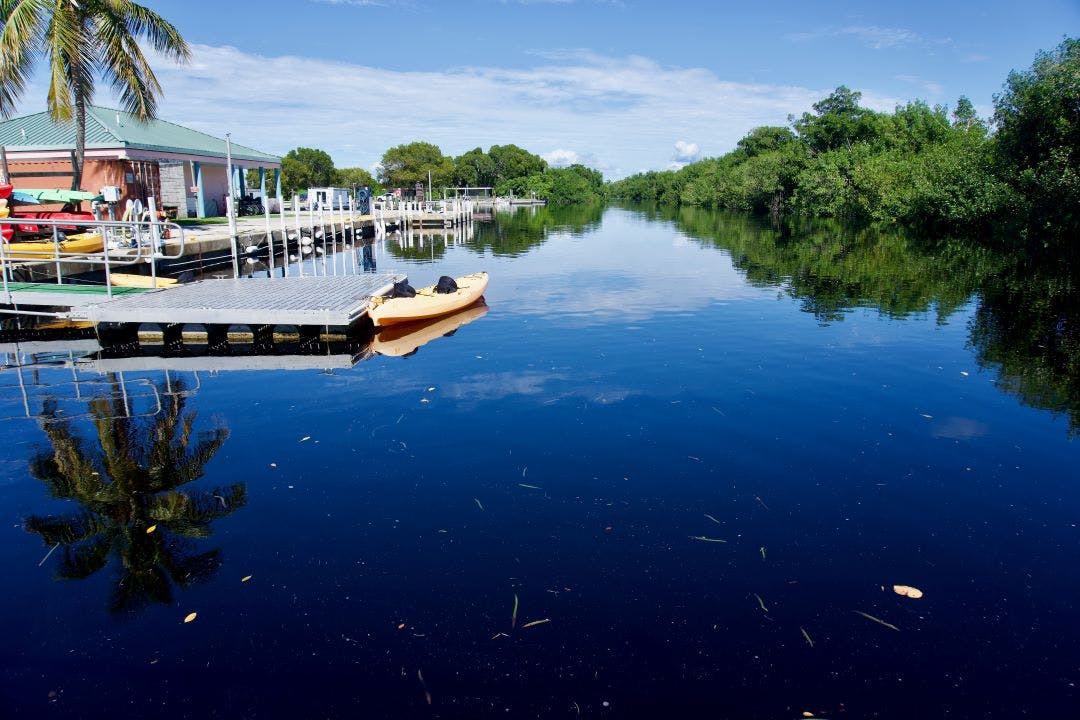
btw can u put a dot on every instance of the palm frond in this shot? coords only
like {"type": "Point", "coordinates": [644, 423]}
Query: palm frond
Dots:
{"type": "Point", "coordinates": [190, 569]}
{"type": "Point", "coordinates": [20, 47]}
{"type": "Point", "coordinates": [84, 559]}
{"type": "Point", "coordinates": [64, 529]}
{"type": "Point", "coordinates": [138, 587]}
{"type": "Point", "coordinates": [144, 23]}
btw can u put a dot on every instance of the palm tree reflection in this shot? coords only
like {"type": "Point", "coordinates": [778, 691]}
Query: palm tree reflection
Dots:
{"type": "Point", "coordinates": [127, 485]}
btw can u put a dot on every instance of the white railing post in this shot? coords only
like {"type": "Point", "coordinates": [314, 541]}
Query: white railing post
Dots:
{"type": "Point", "coordinates": [56, 251]}
{"type": "Point", "coordinates": [4, 267]}
{"type": "Point", "coordinates": [270, 237]}
{"type": "Point", "coordinates": [232, 235]}
{"type": "Point", "coordinates": [299, 235]}
{"type": "Point", "coordinates": [284, 235]}
{"type": "Point", "coordinates": [108, 270]}
{"type": "Point", "coordinates": [155, 240]}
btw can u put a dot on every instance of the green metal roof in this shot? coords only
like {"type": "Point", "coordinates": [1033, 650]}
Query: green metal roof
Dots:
{"type": "Point", "coordinates": [106, 128]}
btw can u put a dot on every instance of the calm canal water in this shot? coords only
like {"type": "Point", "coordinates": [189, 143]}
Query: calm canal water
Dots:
{"type": "Point", "coordinates": [524, 519]}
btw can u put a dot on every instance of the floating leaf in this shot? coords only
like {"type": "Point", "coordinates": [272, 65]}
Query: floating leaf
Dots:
{"type": "Point", "coordinates": [530, 487]}
{"type": "Point", "coordinates": [190, 617]}
{"type": "Point", "coordinates": [807, 636]}
{"type": "Point", "coordinates": [702, 538]}
{"type": "Point", "coordinates": [513, 617]}
{"type": "Point", "coordinates": [245, 578]}
{"type": "Point", "coordinates": [151, 529]}
{"type": "Point", "coordinates": [305, 438]}
{"type": "Point", "coordinates": [535, 622]}
{"type": "Point", "coordinates": [908, 591]}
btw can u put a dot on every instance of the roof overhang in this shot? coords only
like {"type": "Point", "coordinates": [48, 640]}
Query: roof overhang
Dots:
{"type": "Point", "coordinates": [96, 152]}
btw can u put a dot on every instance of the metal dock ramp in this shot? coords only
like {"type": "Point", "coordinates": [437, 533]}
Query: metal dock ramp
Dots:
{"type": "Point", "coordinates": [335, 301]}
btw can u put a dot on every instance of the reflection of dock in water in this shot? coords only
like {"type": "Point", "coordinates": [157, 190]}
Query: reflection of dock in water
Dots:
{"type": "Point", "coordinates": [79, 366]}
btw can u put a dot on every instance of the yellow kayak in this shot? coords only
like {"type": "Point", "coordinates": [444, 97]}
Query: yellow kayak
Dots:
{"type": "Point", "coordinates": [139, 281]}
{"type": "Point", "coordinates": [407, 338]}
{"type": "Point", "coordinates": [43, 250]}
{"type": "Point", "coordinates": [428, 303]}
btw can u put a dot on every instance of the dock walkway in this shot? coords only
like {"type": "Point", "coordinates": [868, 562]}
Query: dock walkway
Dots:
{"type": "Point", "coordinates": [330, 301]}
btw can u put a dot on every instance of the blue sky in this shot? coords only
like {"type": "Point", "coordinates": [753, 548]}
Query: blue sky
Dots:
{"type": "Point", "coordinates": [622, 85]}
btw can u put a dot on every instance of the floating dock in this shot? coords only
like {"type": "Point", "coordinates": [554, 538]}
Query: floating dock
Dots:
{"type": "Point", "coordinates": [334, 301]}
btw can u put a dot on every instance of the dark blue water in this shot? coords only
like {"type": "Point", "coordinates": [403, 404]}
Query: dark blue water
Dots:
{"type": "Point", "coordinates": [847, 411]}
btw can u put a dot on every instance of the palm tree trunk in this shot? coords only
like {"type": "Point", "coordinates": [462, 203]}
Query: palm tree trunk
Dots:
{"type": "Point", "coordinates": [80, 140]}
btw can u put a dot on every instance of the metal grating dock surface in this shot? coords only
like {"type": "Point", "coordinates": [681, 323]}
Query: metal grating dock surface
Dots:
{"type": "Point", "coordinates": [334, 300]}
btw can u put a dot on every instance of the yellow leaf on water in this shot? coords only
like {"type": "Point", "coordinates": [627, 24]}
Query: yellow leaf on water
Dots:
{"type": "Point", "coordinates": [190, 617]}
{"type": "Point", "coordinates": [535, 622]}
{"type": "Point", "coordinates": [151, 529]}
{"type": "Point", "coordinates": [908, 591]}
{"type": "Point", "coordinates": [245, 578]}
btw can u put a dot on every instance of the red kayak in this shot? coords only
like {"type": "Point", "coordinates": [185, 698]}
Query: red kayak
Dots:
{"type": "Point", "coordinates": [77, 218]}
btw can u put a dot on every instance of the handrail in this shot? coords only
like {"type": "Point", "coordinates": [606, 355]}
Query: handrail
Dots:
{"type": "Point", "coordinates": [145, 234]}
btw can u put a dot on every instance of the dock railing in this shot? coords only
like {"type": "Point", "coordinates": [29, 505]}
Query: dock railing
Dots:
{"type": "Point", "coordinates": [136, 243]}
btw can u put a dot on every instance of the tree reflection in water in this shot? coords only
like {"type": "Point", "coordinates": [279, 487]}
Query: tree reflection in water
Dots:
{"type": "Point", "coordinates": [1026, 324]}
{"type": "Point", "coordinates": [126, 485]}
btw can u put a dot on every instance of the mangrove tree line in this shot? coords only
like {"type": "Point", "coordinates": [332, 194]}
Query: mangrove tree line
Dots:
{"type": "Point", "coordinates": [920, 166]}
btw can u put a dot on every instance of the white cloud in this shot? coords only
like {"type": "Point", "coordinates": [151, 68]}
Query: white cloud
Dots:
{"type": "Point", "coordinates": [875, 37]}
{"type": "Point", "coordinates": [624, 110]}
{"type": "Point", "coordinates": [561, 158]}
{"type": "Point", "coordinates": [931, 87]}
{"type": "Point", "coordinates": [878, 37]}
{"type": "Point", "coordinates": [686, 152]}
{"type": "Point", "coordinates": [354, 3]}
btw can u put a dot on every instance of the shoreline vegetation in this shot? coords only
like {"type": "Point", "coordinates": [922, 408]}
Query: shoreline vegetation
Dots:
{"type": "Point", "coordinates": [507, 169]}
{"type": "Point", "coordinates": [1012, 181]}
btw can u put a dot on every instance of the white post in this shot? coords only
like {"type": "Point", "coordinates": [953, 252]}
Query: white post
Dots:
{"type": "Point", "coordinates": [270, 237]}
{"type": "Point", "coordinates": [299, 235]}
{"type": "Point", "coordinates": [155, 239]}
{"type": "Point", "coordinates": [284, 234]}
{"type": "Point", "coordinates": [229, 206]}
{"type": "Point", "coordinates": [311, 229]}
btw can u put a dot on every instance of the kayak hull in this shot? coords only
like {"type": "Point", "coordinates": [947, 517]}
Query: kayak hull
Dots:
{"type": "Point", "coordinates": [27, 250]}
{"type": "Point", "coordinates": [428, 304]}
{"type": "Point", "coordinates": [140, 281]}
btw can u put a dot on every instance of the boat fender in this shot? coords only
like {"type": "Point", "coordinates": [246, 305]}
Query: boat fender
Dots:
{"type": "Point", "coordinates": [446, 285]}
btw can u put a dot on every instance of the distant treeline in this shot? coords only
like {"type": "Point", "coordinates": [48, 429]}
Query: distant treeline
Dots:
{"type": "Point", "coordinates": [508, 169]}
{"type": "Point", "coordinates": [916, 166]}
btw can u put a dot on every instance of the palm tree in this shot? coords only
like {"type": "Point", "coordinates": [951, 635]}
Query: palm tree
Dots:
{"type": "Point", "coordinates": [84, 40]}
{"type": "Point", "coordinates": [127, 485]}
